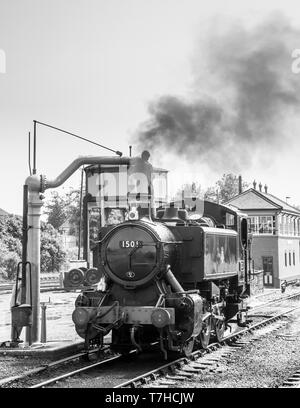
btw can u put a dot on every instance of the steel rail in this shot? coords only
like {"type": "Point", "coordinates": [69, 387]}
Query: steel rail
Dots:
{"type": "Point", "coordinates": [270, 302]}
{"type": "Point", "coordinates": [72, 373]}
{"type": "Point", "coordinates": [45, 367]}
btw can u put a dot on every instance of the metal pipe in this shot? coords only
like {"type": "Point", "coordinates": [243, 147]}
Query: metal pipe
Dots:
{"type": "Point", "coordinates": [34, 147]}
{"type": "Point", "coordinates": [80, 161]}
{"type": "Point", "coordinates": [29, 153]}
{"type": "Point", "coordinates": [175, 285]}
{"type": "Point", "coordinates": [133, 340]}
{"type": "Point", "coordinates": [24, 242]}
{"type": "Point", "coordinates": [35, 204]}
{"type": "Point", "coordinates": [44, 325]}
{"type": "Point", "coordinates": [80, 215]}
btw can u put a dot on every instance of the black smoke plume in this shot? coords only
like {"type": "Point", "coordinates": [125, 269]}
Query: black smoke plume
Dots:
{"type": "Point", "coordinates": [244, 93]}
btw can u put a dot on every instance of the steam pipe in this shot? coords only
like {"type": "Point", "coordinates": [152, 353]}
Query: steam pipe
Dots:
{"type": "Point", "coordinates": [173, 282]}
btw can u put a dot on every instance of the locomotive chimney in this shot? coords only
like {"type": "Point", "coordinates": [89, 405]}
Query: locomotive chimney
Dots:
{"type": "Point", "coordinates": [240, 185]}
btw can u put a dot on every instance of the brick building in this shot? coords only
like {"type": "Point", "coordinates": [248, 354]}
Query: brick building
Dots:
{"type": "Point", "coordinates": [275, 228]}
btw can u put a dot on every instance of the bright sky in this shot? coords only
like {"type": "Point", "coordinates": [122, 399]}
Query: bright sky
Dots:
{"type": "Point", "coordinates": [92, 67]}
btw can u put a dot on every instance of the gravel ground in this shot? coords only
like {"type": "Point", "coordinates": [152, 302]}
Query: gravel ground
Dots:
{"type": "Point", "coordinates": [59, 328]}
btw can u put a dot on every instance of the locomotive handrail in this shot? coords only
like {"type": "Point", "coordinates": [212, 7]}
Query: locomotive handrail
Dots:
{"type": "Point", "coordinates": [160, 300]}
{"type": "Point", "coordinates": [116, 303]}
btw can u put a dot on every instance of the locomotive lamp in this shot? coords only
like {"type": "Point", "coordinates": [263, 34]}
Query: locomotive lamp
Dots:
{"type": "Point", "coordinates": [92, 276]}
{"type": "Point", "coordinates": [133, 214]}
{"type": "Point", "coordinates": [81, 316]}
{"type": "Point", "coordinates": [160, 318]}
{"type": "Point", "coordinates": [75, 277]}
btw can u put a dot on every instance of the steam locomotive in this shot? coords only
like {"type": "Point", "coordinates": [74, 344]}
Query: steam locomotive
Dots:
{"type": "Point", "coordinates": [170, 276]}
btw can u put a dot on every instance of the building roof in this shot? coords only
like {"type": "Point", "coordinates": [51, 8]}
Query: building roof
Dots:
{"type": "Point", "coordinates": [252, 199]}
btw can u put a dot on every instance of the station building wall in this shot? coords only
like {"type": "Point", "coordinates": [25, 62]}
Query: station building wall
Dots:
{"type": "Point", "coordinates": [285, 267]}
{"type": "Point", "coordinates": [262, 246]}
{"type": "Point", "coordinates": [289, 258]}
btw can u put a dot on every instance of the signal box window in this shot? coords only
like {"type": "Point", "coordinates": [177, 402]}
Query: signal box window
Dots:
{"type": "Point", "coordinates": [285, 259]}
{"type": "Point", "coordinates": [262, 224]}
{"type": "Point", "coordinates": [294, 258]}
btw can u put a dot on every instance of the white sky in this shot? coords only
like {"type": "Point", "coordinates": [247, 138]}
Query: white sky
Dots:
{"type": "Point", "coordinates": [91, 67]}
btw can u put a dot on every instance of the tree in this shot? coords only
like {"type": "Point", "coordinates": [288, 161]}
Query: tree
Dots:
{"type": "Point", "coordinates": [56, 209]}
{"type": "Point", "coordinates": [11, 233]}
{"type": "Point", "coordinates": [225, 189]}
{"type": "Point", "coordinates": [52, 255]}
{"type": "Point", "coordinates": [64, 207]}
{"type": "Point", "coordinates": [211, 194]}
{"type": "Point", "coordinates": [73, 209]}
{"type": "Point", "coordinates": [8, 262]}
{"type": "Point", "coordinates": [10, 245]}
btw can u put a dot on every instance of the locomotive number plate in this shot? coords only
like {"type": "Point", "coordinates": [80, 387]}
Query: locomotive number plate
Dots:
{"type": "Point", "coordinates": [131, 244]}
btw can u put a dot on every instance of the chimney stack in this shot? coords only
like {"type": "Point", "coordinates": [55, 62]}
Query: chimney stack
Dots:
{"type": "Point", "coordinates": [260, 186]}
{"type": "Point", "coordinates": [254, 184]}
{"type": "Point", "coordinates": [266, 189]}
{"type": "Point", "coordinates": [240, 185]}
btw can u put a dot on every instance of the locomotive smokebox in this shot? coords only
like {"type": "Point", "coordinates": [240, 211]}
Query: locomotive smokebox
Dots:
{"type": "Point", "coordinates": [134, 253]}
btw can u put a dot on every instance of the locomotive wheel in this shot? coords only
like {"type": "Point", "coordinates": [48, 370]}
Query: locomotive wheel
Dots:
{"type": "Point", "coordinates": [219, 329]}
{"type": "Point", "coordinates": [188, 347]}
{"type": "Point", "coordinates": [204, 335]}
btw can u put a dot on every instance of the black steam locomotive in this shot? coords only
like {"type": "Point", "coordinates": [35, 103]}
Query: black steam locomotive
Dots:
{"type": "Point", "coordinates": [164, 276]}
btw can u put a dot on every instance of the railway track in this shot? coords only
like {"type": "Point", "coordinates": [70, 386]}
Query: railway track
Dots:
{"type": "Point", "coordinates": [75, 372]}
{"type": "Point", "coordinates": [292, 296]}
{"type": "Point", "coordinates": [29, 376]}
{"type": "Point", "coordinates": [169, 373]}
{"type": "Point", "coordinates": [48, 282]}
{"type": "Point", "coordinates": [181, 369]}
